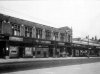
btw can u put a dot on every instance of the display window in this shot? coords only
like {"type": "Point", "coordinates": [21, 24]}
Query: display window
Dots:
{"type": "Point", "coordinates": [81, 52]}
{"type": "Point", "coordinates": [13, 51]}
{"type": "Point", "coordinates": [28, 51]}
{"type": "Point", "coordinates": [77, 52]}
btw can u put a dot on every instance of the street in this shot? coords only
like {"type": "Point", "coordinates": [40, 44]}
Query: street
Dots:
{"type": "Point", "coordinates": [92, 68]}
{"type": "Point", "coordinates": [42, 65]}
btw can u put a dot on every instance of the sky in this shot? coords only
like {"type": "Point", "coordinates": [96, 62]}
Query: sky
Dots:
{"type": "Point", "coordinates": [83, 16]}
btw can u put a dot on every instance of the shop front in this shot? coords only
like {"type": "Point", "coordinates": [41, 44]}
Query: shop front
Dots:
{"type": "Point", "coordinates": [20, 47]}
{"type": "Point", "coordinates": [61, 49]}
{"type": "Point", "coordinates": [42, 48]}
{"type": "Point", "coordinates": [14, 45]}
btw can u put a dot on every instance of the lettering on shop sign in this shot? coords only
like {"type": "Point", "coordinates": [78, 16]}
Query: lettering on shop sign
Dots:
{"type": "Point", "coordinates": [48, 42]}
{"type": "Point", "coordinates": [15, 39]}
{"type": "Point", "coordinates": [61, 43]}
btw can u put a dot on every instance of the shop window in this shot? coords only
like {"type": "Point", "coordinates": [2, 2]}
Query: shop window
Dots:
{"type": "Point", "coordinates": [62, 36]}
{"type": "Point", "coordinates": [77, 52]}
{"type": "Point", "coordinates": [48, 34]}
{"type": "Point", "coordinates": [56, 35]}
{"type": "Point", "coordinates": [39, 33]}
{"type": "Point", "coordinates": [13, 51]}
{"type": "Point", "coordinates": [16, 29]}
{"type": "Point", "coordinates": [28, 31]}
{"type": "Point", "coordinates": [81, 52]}
{"type": "Point", "coordinates": [28, 51]}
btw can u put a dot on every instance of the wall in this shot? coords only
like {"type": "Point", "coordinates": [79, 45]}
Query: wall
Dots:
{"type": "Point", "coordinates": [6, 28]}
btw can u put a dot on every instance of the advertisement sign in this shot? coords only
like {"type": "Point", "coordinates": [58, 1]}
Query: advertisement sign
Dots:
{"type": "Point", "coordinates": [40, 41]}
{"type": "Point", "coordinates": [48, 42]}
{"type": "Point", "coordinates": [15, 39]}
{"type": "Point", "coordinates": [60, 43]}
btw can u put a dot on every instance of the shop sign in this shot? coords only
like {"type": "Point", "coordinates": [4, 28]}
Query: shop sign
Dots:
{"type": "Point", "coordinates": [15, 39]}
{"type": "Point", "coordinates": [27, 40]}
{"type": "Point", "coordinates": [48, 42]}
{"type": "Point", "coordinates": [37, 40]}
{"type": "Point", "coordinates": [61, 43]}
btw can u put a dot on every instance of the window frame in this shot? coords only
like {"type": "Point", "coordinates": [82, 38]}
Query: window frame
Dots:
{"type": "Point", "coordinates": [28, 31]}
{"type": "Point", "coordinates": [16, 29]}
{"type": "Point", "coordinates": [62, 36]}
{"type": "Point", "coordinates": [56, 35]}
{"type": "Point", "coordinates": [48, 34]}
{"type": "Point", "coordinates": [39, 33]}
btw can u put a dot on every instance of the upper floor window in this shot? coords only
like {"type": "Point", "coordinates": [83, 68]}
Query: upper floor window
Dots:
{"type": "Point", "coordinates": [56, 35]}
{"type": "Point", "coordinates": [28, 31]}
{"type": "Point", "coordinates": [62, 36]}
{"type": "Point", "coordinates": [38, 33]}
{"type": "Point", "coordinates": [48, 34]}
{"type": "Point", "coordinates": [16, 29]}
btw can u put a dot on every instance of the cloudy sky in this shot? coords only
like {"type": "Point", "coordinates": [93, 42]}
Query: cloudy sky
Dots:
{"type": "Point", "coordinates": [82, 15]}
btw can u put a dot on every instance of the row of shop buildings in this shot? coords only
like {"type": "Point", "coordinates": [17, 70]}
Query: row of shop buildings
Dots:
{"type": "Point", "coordinates": [85, 47]}
{"type": "Point", "coordinates": [21, 38]}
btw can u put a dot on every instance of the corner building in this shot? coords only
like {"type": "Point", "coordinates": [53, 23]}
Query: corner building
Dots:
{"type": "Point", "coordinates": [21, 38]}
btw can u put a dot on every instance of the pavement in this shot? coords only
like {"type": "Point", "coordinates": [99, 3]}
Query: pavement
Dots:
{"type": "Point", "coordinates": [39, 59]}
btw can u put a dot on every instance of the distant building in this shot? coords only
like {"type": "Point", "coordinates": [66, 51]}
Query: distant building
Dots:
{"type": "Point", "coordinates": [22, 38]}
{"type": "Point", "coordinates": [82, 47]}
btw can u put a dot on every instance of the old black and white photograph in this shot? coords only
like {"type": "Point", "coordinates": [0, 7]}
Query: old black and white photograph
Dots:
{"type": "Point", "coordinates": [49, 37]}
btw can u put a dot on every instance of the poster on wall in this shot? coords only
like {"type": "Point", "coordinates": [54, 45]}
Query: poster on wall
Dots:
{"type": "Point", "coordinates": [28, 51]}
{"type": "Point", "coordinates": [13, 51]}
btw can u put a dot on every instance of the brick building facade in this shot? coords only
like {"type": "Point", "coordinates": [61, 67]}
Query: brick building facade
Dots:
{"type": "Point", "coordinates": [22, 38]}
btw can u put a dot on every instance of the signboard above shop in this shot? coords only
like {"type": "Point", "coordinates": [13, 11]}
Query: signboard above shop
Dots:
{"type": "Point", "coordinates": [3, 37]}
{"type": "Point", "coordinates": [60, 43]}
{"type": "Point", "coordinates": [15, 39]}
{"type": "Point", "coordinates": [41, 41]}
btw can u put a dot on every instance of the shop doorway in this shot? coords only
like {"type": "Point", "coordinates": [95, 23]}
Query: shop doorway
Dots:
{"type": "Point", "coordinates": [45, 54]}
{"type": "Point", "coordinates": [21, 52]}
{"type": "Point", "coordinates": [51, 52]}
{"type": "Point", "coordinates": [2, 49]}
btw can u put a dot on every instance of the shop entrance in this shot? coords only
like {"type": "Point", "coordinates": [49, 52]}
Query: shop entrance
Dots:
{"type": "Point", "coordinates": [21, 52]}
{"type": "Point", "coordinates": [51, 51]}
{"type": "Point", "coordinates": [2, 49]}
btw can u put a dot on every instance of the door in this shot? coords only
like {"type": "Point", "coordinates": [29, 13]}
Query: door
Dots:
{"type": "Point", "coordinates": [2, 49]}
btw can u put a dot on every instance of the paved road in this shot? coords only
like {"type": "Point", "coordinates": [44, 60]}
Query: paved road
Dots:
{"type": "Point", "coordinates": [90, 68]}
{"type": "Point", "coordinates": [33, 65]}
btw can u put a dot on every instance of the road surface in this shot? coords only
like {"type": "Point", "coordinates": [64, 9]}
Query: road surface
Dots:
{"type": "Point", "coordinates": [10, 67]}
{"type": "Point", "coordinates": [90, 68]}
